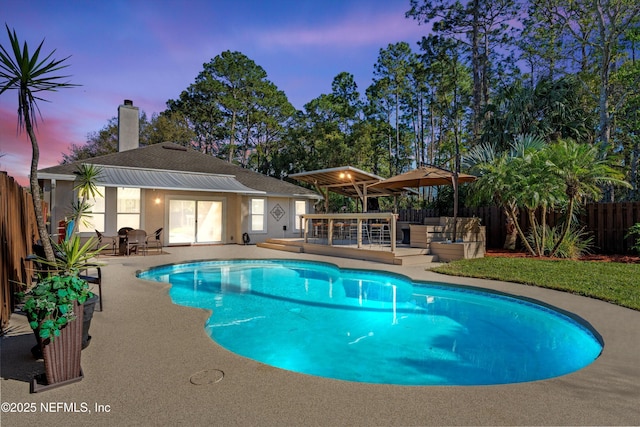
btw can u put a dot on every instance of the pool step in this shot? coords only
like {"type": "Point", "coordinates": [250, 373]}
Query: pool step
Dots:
{"type": "Point", "coordinates": [415, 259]}
{"type": "Point", "coordinates": [280, 247]}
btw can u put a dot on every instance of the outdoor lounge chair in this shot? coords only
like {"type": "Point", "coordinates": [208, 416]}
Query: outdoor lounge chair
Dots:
{"type": "Point", "coordinates": [94, 280]}
{"type": "Point", "coordinates": [137, 242]}
{"type": "Point", "coordinates": [153, 240]}
{"type": "Point", "coordinates": [104, 240]}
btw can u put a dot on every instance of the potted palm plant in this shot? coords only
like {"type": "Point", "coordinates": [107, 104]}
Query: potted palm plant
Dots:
{"type": "Point", "coordinates": [54, 308]}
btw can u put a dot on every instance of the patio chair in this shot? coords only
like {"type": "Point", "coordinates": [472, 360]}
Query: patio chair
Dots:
{"type": "Point", "coordinates": [38, 267]}
{"type": "Point", "coordinates": [104, 240]}
{"type": "Point", "coordinates": [94, 280]}
{"type": "Point", "coordinates": [137, 242]}
{"type": "Point", "coordinates": [153, 240]}
{"type": "Point", "coordinates": [380, 233]}
{"type": "Point", "coordinates": [352, 232]}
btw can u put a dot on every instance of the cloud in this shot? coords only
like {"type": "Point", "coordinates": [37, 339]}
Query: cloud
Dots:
{"type": "Point", "coordinates": [53, 139]}
{"type": "Point", "coordinates": [355, 30]}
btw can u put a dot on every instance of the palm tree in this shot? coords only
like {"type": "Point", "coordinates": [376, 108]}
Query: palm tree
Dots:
{"type": "Point", "coordinates": [85, 185]}
{"type": "Point", "coordinates": [537, 188]}
{"type": "Point", "coordinates": [583, 170]}
{"type": "Point", "coordinates": [512, 179]}
{"type": "Point", "coordinates": [28, 75]}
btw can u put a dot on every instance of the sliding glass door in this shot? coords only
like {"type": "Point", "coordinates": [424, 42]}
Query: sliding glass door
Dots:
{"type": "Point", "coordinates": [209, 223]}
{"type": "Point", "coordinates": [195, 221]}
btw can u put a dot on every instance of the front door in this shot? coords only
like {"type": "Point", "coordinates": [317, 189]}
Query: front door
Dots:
{"type": "Point", "coordinates": [195, 221]}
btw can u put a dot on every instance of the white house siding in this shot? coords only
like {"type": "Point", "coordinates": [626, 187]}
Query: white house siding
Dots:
{"type": "Point", "coordinates": [280, 212]}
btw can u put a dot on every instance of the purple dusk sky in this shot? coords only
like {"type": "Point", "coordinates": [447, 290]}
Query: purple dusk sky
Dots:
{"type": "Point", "coordinates": [151, 50]}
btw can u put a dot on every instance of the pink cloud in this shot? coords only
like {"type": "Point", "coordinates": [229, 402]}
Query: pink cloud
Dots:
{"type": "Point", "coordinates": [357, 29]}
{"type": "Point", "coordinates": [53, 139]}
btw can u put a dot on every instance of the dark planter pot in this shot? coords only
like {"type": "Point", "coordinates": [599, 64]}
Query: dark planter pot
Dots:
{"type": "Point", "coordinates": [89, 307]}
{"type": "Point", "coordinates": [87, 312]}
{"type": "Point", "coordinates": [62, 356]}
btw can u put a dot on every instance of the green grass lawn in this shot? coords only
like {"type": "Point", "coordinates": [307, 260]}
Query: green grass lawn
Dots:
{"type": "Point", "coordinates": [617, 283]}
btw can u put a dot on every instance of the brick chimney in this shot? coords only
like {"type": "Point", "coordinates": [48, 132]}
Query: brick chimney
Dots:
{"type": "Point", "coordinates": [128, 126]}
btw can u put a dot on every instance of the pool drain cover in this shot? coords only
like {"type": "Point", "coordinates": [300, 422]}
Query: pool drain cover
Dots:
{"type": "Point", "coordinates": [209, 376]}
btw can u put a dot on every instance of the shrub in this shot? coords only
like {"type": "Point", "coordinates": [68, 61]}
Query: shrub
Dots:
{"type": "Point", "coordinates": [577, 243]}
{"type": "Point", "coordinates": [634, 230]}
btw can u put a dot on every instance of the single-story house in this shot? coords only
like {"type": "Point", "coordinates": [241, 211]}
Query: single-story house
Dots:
{"type": "Point", "coordinates": [194, 197]}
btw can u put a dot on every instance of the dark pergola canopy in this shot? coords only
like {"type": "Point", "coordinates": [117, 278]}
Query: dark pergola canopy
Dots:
{"type": "Point", "coordinates": [347, 181]}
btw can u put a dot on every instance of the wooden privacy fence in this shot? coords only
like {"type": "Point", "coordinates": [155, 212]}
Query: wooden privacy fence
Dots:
{"type": "Point", "coordinates": [608, 223]}
{"type": "Point", "coordinates": [17, 231]}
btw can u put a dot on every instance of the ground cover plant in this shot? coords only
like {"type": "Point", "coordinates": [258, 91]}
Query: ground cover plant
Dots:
{"type": "Point", "coordinates": [614, 282]}
{"type": "Point", "coordinates": [635, 232]}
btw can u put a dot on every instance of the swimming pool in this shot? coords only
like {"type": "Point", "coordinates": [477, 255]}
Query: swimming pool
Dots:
{"type": "Point", "coordinates": [377, 327]}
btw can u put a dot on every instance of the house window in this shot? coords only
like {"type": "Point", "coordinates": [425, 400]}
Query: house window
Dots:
{"type": "Point", "coordinates": [128, 210]}
{"type": "Point", "coordinates": [95, 219]}
{"type": "Point", "coordinates": [258, 215]}
{"type": "Point", "coordinates": [300, 209]}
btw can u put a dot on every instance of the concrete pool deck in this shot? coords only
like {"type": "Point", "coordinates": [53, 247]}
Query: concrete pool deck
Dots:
{"type": "Point", "coordinates": [145, 350]}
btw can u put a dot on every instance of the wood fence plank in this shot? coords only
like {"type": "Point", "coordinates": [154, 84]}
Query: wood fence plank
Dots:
{"type": "Point", "coordinates": [17, 227]}
{"type": "Point", "coordinates": [629, 221]}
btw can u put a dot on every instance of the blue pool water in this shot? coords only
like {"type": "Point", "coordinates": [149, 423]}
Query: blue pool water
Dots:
{"type": "Point", "coordinates": [377, 327]}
